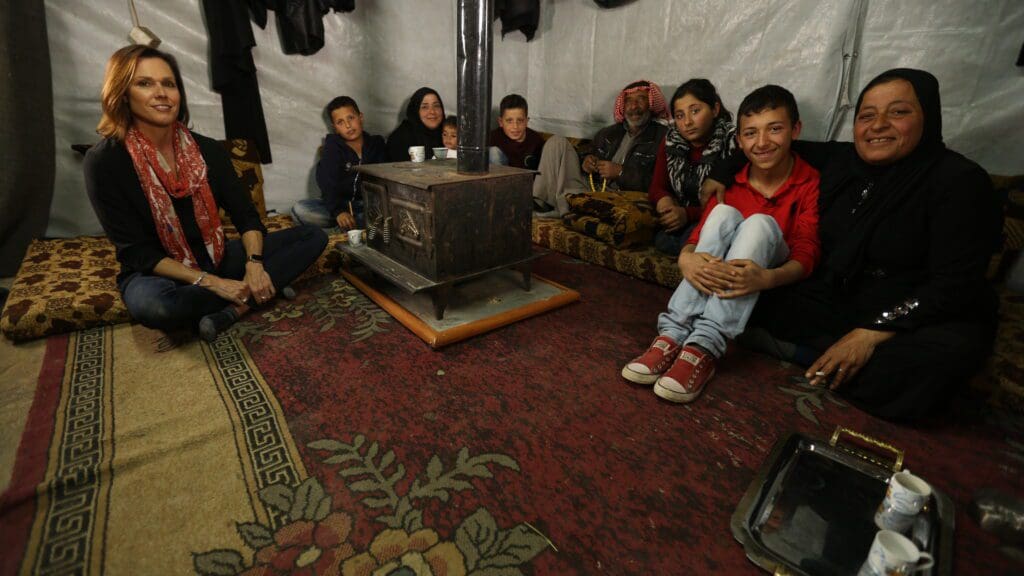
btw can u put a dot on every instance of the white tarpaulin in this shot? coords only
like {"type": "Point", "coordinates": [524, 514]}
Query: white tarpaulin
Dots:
{"type": "Point", "coordinates": [570, 73]}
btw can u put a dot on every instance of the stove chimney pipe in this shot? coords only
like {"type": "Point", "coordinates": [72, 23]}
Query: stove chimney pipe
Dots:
{"type": "Point", "coordinates": [474, 72]}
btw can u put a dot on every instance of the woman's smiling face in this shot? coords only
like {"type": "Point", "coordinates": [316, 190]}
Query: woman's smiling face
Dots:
{"type": "Point", "coordinates": [153, 96]}
{"type": "Point", "coordinates": [889, 123]}
{"type": "Point", "coordinates": [431, 111]}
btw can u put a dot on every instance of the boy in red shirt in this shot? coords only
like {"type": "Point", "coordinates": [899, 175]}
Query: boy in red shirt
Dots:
{"type": "Point", "coordinates": [764, 236]}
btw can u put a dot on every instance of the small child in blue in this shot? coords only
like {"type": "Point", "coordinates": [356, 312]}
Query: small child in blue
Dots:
{"type": "Point", "coordinates": [341, 202]}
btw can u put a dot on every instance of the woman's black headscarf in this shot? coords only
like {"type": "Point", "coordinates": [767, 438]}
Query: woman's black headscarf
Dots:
{"type": "Point", "coordinates": [892, 184]}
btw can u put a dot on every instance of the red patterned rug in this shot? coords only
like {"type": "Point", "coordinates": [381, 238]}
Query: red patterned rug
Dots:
{"type": "Point", "coordinates": [321, 437]}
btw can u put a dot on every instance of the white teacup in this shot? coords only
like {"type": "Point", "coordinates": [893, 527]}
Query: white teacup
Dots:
{"type": "Point", "coordinates": [894, 554]}
{"type": "Point", "coordinates": [355, 237]}
{"type": "Point", "coordinates": [417, 153]}
{"type": "Point", "coordinates": [904, 498]}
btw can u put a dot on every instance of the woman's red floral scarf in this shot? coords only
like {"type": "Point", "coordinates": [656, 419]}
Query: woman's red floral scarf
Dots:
{"type": "Point", "coordinates": [160, 183]}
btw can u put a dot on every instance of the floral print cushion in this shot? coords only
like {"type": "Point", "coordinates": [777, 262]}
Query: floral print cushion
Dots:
{"type": "Point", "coordinates": [622, 219]}
{"type": "Point", "coordinates": [246, 160]}
{"type": "Point", "coordinates": [1003, 377]}
{"type": "Point", "coordinates": [645, 263]}
{"type": "Point", "coordinates": [70, 284]}
{"type": "Point", "coordinates": [63, 285]}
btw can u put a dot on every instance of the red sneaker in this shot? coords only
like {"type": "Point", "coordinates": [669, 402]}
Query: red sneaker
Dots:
{"type": "Point", "coordinates": [686, 379]}
{"type": "Point", "coordinates": [647, 367]}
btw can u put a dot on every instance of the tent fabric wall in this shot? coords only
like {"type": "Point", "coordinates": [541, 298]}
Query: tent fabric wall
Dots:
{"type": "Point", "coordinates": [26, 131]}
{"type": "Point", "coordinates": [570, 72]}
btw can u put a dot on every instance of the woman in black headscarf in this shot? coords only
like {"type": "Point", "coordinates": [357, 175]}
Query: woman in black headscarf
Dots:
{"type": "Point", "coordinates": [421, 127]}
{"type": "Point", "coordinates": [899, 313]}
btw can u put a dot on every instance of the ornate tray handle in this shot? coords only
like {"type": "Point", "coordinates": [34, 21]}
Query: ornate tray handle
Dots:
{"type": "Point", "coordinates": [896, 465]}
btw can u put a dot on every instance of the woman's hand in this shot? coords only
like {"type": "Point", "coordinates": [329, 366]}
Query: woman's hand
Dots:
{"type": "Point", "coordinates": [845, 358]}
{"type": "Point", "coordinates": [230, 290]}
{"type": "Point", "coordinates": [702, 271]}
{"type": "Point", "coordinates": [671, 216]}
{"type": "Point", "coordinates": [710, 188]}
{"type": "Point", "coordinates": [258, 282]}
{"type": "Point", "coordinates": [346, 221]}
{"type": "Point", "coordinates": [745, 277]}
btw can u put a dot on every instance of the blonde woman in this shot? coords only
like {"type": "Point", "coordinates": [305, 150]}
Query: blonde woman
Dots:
{"type": "Point", "coordinates": [157, 188]}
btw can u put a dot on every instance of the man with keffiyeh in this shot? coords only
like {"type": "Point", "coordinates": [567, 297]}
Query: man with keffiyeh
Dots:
{"type": "Point", "coordinates": [623, 154]}
{"type": "Point", "coordinates": [620, 157]}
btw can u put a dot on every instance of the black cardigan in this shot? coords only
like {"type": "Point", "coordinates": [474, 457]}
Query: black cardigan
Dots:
{"type": "Point", "coordinates": [124, 212]}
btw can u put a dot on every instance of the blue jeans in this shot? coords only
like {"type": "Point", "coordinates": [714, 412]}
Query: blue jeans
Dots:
{"type": "Point", "coordinates": [708, 321]}
{"type": "Point", "coordinates": [167, 304]}
{"type": "Point", "coordinates": [313, 212]}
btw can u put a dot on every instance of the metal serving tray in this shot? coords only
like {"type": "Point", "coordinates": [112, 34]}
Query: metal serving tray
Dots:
{"type": "Point", "coordinates": [810, 509]}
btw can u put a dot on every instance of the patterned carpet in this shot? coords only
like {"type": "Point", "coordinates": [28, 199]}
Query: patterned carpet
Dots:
{"type": "Point", "coordinates": [320, 437]}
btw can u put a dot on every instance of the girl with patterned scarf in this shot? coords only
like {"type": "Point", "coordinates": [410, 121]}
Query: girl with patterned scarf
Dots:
{"type": "Point", "coordinates": [157, 189]}
{"type": "Point", "coordinates": [701, 133]}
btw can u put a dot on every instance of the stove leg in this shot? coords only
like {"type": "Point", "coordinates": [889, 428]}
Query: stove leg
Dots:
{"type": "Point", "coordinates": [440, 299]}
{"type": "Point", "coordinates": [526, 270]}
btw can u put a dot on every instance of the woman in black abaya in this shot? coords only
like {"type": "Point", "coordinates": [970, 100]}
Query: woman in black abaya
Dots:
{"type": "Point", "coordinates": [899, 313]}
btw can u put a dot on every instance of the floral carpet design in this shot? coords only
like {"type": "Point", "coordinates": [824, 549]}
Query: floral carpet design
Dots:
{"type": "Point", "coordinates": [334, 300]}
{"type": "Point", "coordinates": [808, 398]}
{"type": "Point", "coordinates": [315, 539]}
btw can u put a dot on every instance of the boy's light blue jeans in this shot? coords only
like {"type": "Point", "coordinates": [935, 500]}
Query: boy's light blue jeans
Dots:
{"type": "Point", "coordinates": [708, 321]}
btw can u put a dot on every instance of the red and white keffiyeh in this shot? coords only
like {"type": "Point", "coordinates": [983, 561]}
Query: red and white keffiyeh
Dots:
{"type": "Point", "coordinates": [654, 96]}
{"type": "Point", "coordinates": [160, 183]}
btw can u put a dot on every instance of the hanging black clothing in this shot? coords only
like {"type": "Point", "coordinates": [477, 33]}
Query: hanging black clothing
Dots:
{"type": "Point", "coordinates": [300, 25]}
{"type": "Point", "coordinates": [905, 249]}
{"type": "Point", "coordinates": [522, 15]}
{"type": "Point", "coordinates": [234, 73]}
{"type": "Point", "coordinates": [412, 131]}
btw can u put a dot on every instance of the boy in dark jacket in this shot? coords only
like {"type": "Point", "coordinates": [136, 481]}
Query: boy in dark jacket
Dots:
{"type": "Point", "coordinates": [340, 203]}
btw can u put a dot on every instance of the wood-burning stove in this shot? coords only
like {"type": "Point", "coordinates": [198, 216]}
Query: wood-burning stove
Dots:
{"type": "Point", "coordinates": [430, 226]}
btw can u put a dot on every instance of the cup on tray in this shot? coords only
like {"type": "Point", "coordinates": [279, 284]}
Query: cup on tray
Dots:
{"type": "Point", "coordinates": [355, 237]}
{"type": "Point", "coordinates": [440, 153]}
{"type": "Point", "coordinates": [894, 554]}
{"type": "Point", "coordinates": [417, 153]}
{"type": "Point", "coordinates": [904, 498]}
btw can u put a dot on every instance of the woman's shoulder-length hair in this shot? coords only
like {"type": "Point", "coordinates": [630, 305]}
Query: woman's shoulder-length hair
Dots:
{"type": "Point", "coordinates": [117, 116]}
